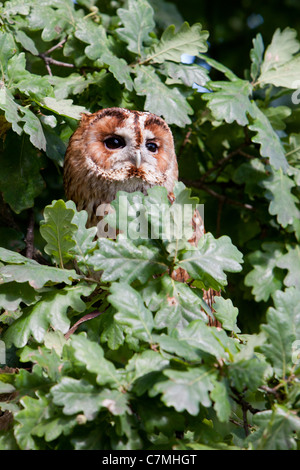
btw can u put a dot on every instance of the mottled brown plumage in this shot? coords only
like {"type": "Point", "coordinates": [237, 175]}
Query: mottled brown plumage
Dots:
{"type": "Point", "coordinates": [116, 149]}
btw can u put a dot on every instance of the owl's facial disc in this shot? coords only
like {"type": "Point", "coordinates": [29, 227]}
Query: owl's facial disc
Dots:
{"type": "Point", "coordinates": [121, 145]}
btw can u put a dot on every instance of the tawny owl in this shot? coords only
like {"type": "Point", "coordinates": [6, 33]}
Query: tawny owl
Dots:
{"type": "Point", "coordinates": [117, 150]}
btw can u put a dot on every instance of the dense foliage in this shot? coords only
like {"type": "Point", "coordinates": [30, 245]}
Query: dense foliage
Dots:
{"type": "Point", "coordinates": [129, 362]}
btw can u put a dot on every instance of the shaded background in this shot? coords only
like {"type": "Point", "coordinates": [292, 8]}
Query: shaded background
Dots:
{"type": "Point", "coordinates": [232, 25]}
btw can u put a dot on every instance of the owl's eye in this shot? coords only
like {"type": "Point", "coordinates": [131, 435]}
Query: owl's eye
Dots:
{"type": "Point", "coordinates": [152, 146]}
{"type": "Point", "coordinates": [115, 142]}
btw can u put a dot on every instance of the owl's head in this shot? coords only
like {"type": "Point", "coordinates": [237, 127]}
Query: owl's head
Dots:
{"type": "Point", "coordinates": [118, 144]}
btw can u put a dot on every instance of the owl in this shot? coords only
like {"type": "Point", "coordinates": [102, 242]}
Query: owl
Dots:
{"type": "Point", "coordinates": [115, 150]}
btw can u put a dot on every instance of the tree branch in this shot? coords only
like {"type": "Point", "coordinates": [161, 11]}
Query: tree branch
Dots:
{"type": "Point", "coordinates": [48, 60]}
{"type": "Point", "coordinates": [88, 316]}
{"type": "Point", "coordinates": [29, 239]}
{"type": "Point", "coordinates": [199, 185]}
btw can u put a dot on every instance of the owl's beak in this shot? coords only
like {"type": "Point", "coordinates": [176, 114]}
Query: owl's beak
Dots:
{"type": "Point", "coordinates": [138, 159]}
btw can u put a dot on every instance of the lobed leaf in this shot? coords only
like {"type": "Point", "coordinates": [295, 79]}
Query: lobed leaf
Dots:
{"type": "Point", "coordinates": [91, 355]}
{"type": "Point", "coordinates": [271, 146]}
{"type": "Point", "coordinates": [291, 262]}
{"type": "Point", "coordinates": [51, 310]}
{"type": "Point", "coordinates": [187, 40]}
{"type": "Point", "coordinates": [264, 278]}
{"type": "Point", "coordinates": [58, 230]}
{"type": "Point", "coordinates": [132, 313]}
{"type": "Point", "coordinates": [282, 201]}
{"type": "Point", "coordinates": [282, 329]}
{"type": "Point", "coordinates": [230, 101]}
{"type": "Point", "coordinates": [186, 390]}
{"type": "Point", "coordinates": [137, 22]}
{"type": "Point", "coordinates": [210, 261]}
{"type": "Point", "coordinates": [160, 99]}
{"type": "Point", "coordinates": [124, 261]}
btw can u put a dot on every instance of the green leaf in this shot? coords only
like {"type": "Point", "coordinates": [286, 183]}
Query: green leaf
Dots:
{"type": "Point", "coordinates": [26, 42]}
{"type": "Point", "coordinates": [264, 278]}
{"type": "Point", "coordinates": [132, 313]}
{"type": "Point", "coordinates": [158, 418]}
{"type": "Point", "coordinates": [178, 303]}
{"type": "Point", "coordinates": [141, 369]}
{"type": "Point", "coordinates": [187, 40]}
{"type": "Point", "coordinates": [186, 74]}
{"type": "Point", "coordinates": [13, 257]}
{"type": "Point", "coordinates": [13, 293]}
{"type": "Point", "coordinates": [79, 395]}
{"type": "Point", "coordinates": [226, 313]}
{"type": "Point", "coordinates": [119, 68]}
{"type": "Point", "coordinates": [84, 238]}
{"type": "Point", "coordinates": [179, 347]}
{"type": "Point", "coordinates": [291, 262]}
{"type": "Point", "coordinates": [282, 329]}
{"type": "Point", "coordinates": [277, 429]}
{"type": "Point", "coordinates": [37, 274]}
{"type": "Point", "coordinates": [73, 84]}
{"type": "Point", "coordinates": [39, 418]}
{"type": "Point", "coordinates": [34, 86]}
{"type": "Point", "coordinates": [91, 355]}
{"type": "Point", "coordinates": [282, 202]}
{"type": "Point", "coordinates": [63, 107]}
{"type": "Point", "coordinates": [256, 55]}
{"type": "Point", "coordinates": [218, 66]}
{"type": "Point", "coordinates": [186, 390]}
{"type": "Point", "coordinates": [247, 374]}
{"type": "Point", "coordinates": [33, 128]}
{"type": "Point", "coordinates": [34, 411]}
{"type": "Point", "coordinates": [220, 397]}
{"type": "Point", "coordinates": [271, 146]}
{"type": "Point", "coordinates": [94, 35]}
{"type": "Point", "coordinates": [43, 360]}
{"type": "Point", "coordinates": [138, 23]}
{"type": "Point", "coordinates": [230, 101]}
{"type": "Point", "coordinates": [280, 67]}
{"type": "Point", "coordinates": [160, 99]}
{"type": "Point", "coordinates": [10, 108]}
{"type": "Point", "coordinates": [211, 259]}
{"type": "Point", "coordinates": [281, 49]}
{"type": "Point", "coordinates": [7, 50]}
{"type": "Point", "coordinates": [124, 261]}
{"type": "Point", "coordinates": [206, 338]}
{"type": "Point", "coordinates": [50, 310]}
{"type": "Point", "coordinates": [57, 229]}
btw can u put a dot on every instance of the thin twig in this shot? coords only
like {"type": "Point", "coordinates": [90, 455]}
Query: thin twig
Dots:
{"type": "Point", "coordinates": [49, 61]}
{"type": "Point", "coordinates": [88, 316]}
{"type": "Point", "coordinates": [29, 239]}
{"type": "Point", "coordinates": [199, 185]}
{"type": "Point", "coordinates": [185, 141]}
{"type": "Point", "coordinates": [219, 164]}
{"type": "Point", "coordinates": [245, 407]}
{"type": "Point", "coordinates": [245, 421]}
{"type": "Point", "coordinates": [60, 44]}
